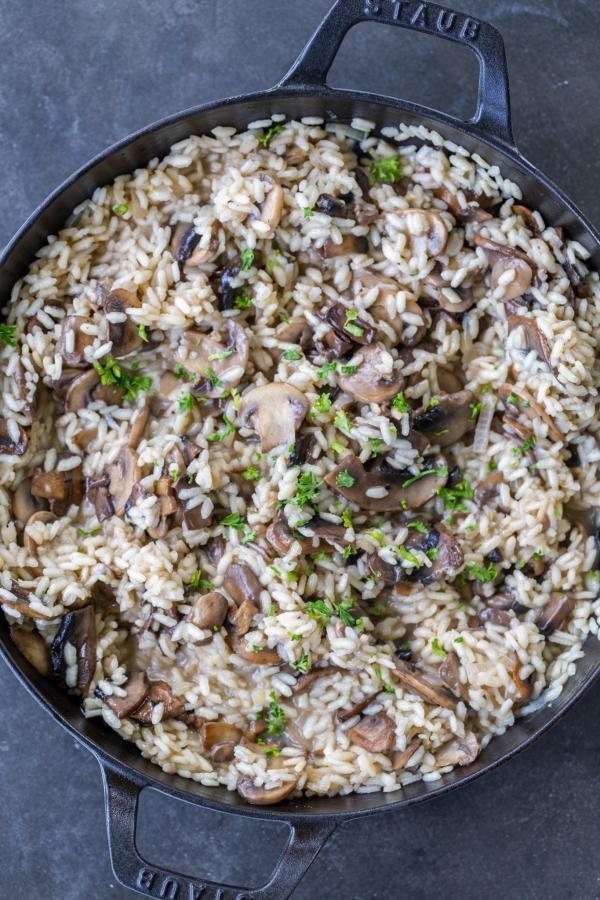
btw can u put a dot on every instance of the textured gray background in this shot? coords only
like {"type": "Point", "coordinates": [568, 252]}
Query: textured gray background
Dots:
{"type": "Point", "coordinates": [76, 75]}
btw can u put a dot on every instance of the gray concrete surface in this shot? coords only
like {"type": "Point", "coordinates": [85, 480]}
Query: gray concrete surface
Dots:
{"type": "Point", "coordinates": [78, 74]}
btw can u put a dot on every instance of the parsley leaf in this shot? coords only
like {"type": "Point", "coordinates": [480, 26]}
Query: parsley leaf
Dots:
{"type": "Point", "coordinates": [251, 474]}
{"type": "Point", "coordinates": [349, 370]}
{"type": "Point", "coordinates": [198, 583]}
{"type": "Point", "coordinates": [242, 301]}
{"type": "Point", "coordinates": [142, 332]}
{"type": "Point", "coordinates": [111, 372]}
{"type": "Point", "coordinates": [303, 664]}
{"type": "Point", "coordinates": [344, 479]}
{"type": "Point", "coordinates": [8, 335]}
{"type": "Point", "coordinates": [408, 556]}
{"type": "Point", "coordinates": [291, 354]}
{"type": "Point", "coordinates": [222, 354]}
{"type": "Point", "coordinates": [418, 526]}
{"type": "Point", "coordinates": [400, 404]}
{"type": "Point", "coordinates": [435, 646]}
{"type": "Point", "coordinates": [478, 573]}
{"type": "Point", "coordinates": [186, 402]}
{"type": "Point", "coordinates": [453, 497]}
{"type": "Point", "coordinates": [91, 533]}
{"type": "Point", "coordinates": [120, 209]}
{"type": "Point", "coordinates": [308, 489]}
{"type": "Point", "coordinates": [342, 422]}
{"type": "Point", "coordinates": [323, 403]}
{"type": "Point", "coordinates": [325, 370]}
{"type": "Point", "coordinates": [308, 212]}
{"type": "Point", "coordinates": [265, 139]}
{"type": "Point", "coordinates": [319, 611]}
{"type": "Point", "coordinates": [440, 471]}
{"type": "Point", "coordinates": [387, 170]}
{"type": "Point", "coordinates": [515, 400]}
{"type": "Point", "coordinates": [221, 435]}
{"type": "Point", "coordinates": [247, 258]}
{"type": "Point", "coordinates": [182, 373]}
{"type": "Point", "coordinates": [235, 521]}
{"type": "Point", "coordinates": [275, 718]}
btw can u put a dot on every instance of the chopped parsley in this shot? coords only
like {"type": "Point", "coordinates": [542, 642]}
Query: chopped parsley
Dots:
{"type": "Point", "coordinates": [342, 609]}
{"type": "Point", "coordinates": [272, 260]}
{"type": "Point", "coordinates": [384, 684]}
{"type": "Point", "coordinates": [453, 497]}
{"type": "Point", "coordinates": [247, 258]}
{"type": "Point", "coordinates": [325, 370]}
{"type": "Point", "coordinates": [212, 376]}
{"type": "Point", "coordinates": [8, 335]}
{"type": "Point", "coordinates": [431, 403]}
{"type": "Point", "coordinates": [408, 556]}
{"type": "Point", "coordinates": [319, 611]}
{"type": "Point", "coordinates": [272, 751]}
{"type": "Point", "coordinates": [399, 403]}
{"type": "Point", "coordinates": [387, 170]}
{"type": "Point", "coordinates": [349, 370]}
{"type": "Point", "coordinates": [275, 717]}
{"type": "Point", "coordinates": [440, 471]}
{"type": "Point", "coordinates": [418, 526]}
{"type": "Point", "coordinates": [492, 465]}
{"type": "Point", "coordinates": [525, 447]}
{"type": "Point", "coordinates": [265, 139]}
{"type": "Point", "coordinates": [308, 488]}
{"type": "Point", "coordinates": [186, 402]}
{"type": "Point", "coordinates": [198, 583]}
{"type": "Point", "coordinates": [291, 354]}
{"type": "Point", "coordinates": [478, 573]}
{"type": "Point", "coordinates": [248, 535]}
{"type": "Point", "coordinates": [303, 664]}
{"type": "Point", "coordinates": [350, 326]}
{"type": "Point", "coordinates": [342, 422]}
{"type": "Point", "coordinates": [323, 403]}
{"type": "Point", "coordinates": [234, 520]}
{"type": "Point", "coordinates": [432, 553]}
{"type": "Point", "coordinates": [458, 640]}
{"type": "Point", "coordinates": [222, 354]}
{"type": "Point", "coordinates": [347, 551]}
{"type": "Point", "coordinates": [375, 445]}
{"type": "Point", "coordinates": [242, 301]}
{"type": "Point", "coordinates": [221, 435]}
{"type": "Point", "coordinates": [338, 447]}
{"type": "Point", "coordinates": [111, 372]}
{"type": "Point", "coordinates": [91, 533]}
{"type": "Point", "coordinates": [515, 400]}
{"type": "Point", "coordinates": [308, 212]}
{"type": "Point", "coordinates": [120, 209]}
{"type": "Point", "coordinates": [183, 374]}
{"type": "Point", "coordinates": [142, 332]}
{"type": "Point", "coordinates": [435, 646]}
{"type": "Point", "coordinates": [537, 554]}
{"type": "Point", "coordinates": [344, 479]}
{"type": "Point", "coordinates": [251, 474]}
{"type": "Point", "coordinates": [475, 410]}
{"type": "Point", "coordinates": [347, 519]}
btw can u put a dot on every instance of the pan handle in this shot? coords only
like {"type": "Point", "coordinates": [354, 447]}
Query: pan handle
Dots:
{"type": "Point", "coordinates": [121, 795]}
{"type": "Point", "coordinates": [492, 116]}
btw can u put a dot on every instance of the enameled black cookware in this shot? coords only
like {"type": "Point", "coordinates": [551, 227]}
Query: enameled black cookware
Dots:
{"type": "Point", "coordinates": [302, 92]}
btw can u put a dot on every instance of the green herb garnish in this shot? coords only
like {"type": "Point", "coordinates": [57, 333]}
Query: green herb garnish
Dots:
{"type": "Point", "coordinates": [408, 556]}
{"type": "Point", "coordinates": [265, 139]}
{"type": "Point", "coordinates": [251, 474]}
{"type": "Point", "coordinates": [387, 170]}
{"type": "Point", "coordinates": [91, 533]}
{"type": "Point", "coordinates": [142, 332]}
{"type": "Point", "coordinates": [183, 374]}
{"type": "Point", "coordinates": [120, 209]}
{"type": "Point", "coordinates": [242, 301]}
{"type": "Point", "coordinates": [8, 335]}
{"type": "Point", "coordinates": [453, 497]}
{"type": "Point", "coordinates": [478, 573]}
{"type": "Point", "coordinates": [221, 435]}
{"type": "Point", "coordinates": [418, 526]}
{"type": "Point", "coordinates": [186, 402]}
{"type": "Point", "coordinates": [198, 583]}
{"type": "Point", "coordinates": [344, 479]}
{"type": "Point", "coordinates": [291, 354]}
{"type": "Point", "coordinates": [275, 717]}
{"type": "Point", "coordinates": [440, 471]}
{"type": "Point", "coordinates": [323, 403]}
{"type": "Point", "coordinates": [435, 646]}
{"type": "Point", "coordinates": [349, 370]}
{"type": "Point", "coordinates": [247, 258]}
{"type": "Point", "coordinates": [399, 403]}
{"type": "Point", "coordinates": [111, 372]}
{"type": "Point", "coordinates": [342, 422]}
{"type": "Point", "coordinates": [308, 212]}
{"type": "Point", "coordinates": [303, 664]}
{"type": "Point", "coordinates": [319, 611]}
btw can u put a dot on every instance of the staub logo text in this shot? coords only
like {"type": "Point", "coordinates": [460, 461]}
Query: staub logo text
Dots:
{"type": "Point", "coordinates": [425, 16]}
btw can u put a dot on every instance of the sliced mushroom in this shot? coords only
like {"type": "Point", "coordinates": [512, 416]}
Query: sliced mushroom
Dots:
{"type": "Point", "coordinates": [521, 280]}
{"type": "Point", "coordinates": [349, 330]}
{"type": "Point", "coordinates": [72, 348]}
{"type": "Point", "coordinates": [241, 583]}
{"type": "Point", "coordinates": [86, 389]}
{"type": "Point", "coordinates": [448, 559]}
{"type": "Point", "coordinates": [448, 419]}
{"type": "Point", "coordinates": [350, 243]}
{"type": "Point", "coordinates": [32, 646]}
{"type": "Point", "coordinates": [554, 613]}
{"type": "Point", "coordinates": [20, 603]}
{"type": "Point", "coordinates": [488, 488]}
{"type": "Point", "coordinates": [472, 212]}
{"type": "Point", "coordinates": [448, 381]}
{"type": "Point", "coordinates": [241, 618]}
{"type": "Point", "coordinates": [375, 380]}
{"type": "Point", "coordinates": [401, 758]}
{"type": "Point", "coordinates": [493, 616]}
{"type": "Point", "coordinates": [136, 690]}
{"type": "Point", "coordinates": [459, 751]}
{"type": "Point", "coordinates": [220, 733]}
{"type": "Point", "coordinates": [61, 489]}
{"type": "Point", "coordinates": [449, 674]}
{"type": "Point", "coordinates": [305, 681]}
{"type": "Point", "coordinates": [522, 688]}
{"type": "Point", "coordinates": [259, 795]}
{"type": "Point", "coordinates": [342, 715]}
{"type": "Point", "coordinates": [296, 331]}
{"type": "Point", "coordinates": [224, 351]}
{"type": "Point", "coordinates": [123, 473]}
{"type": "Point", "coordinates": [331, 206]}
{"type": "Point", "coordinates": [261, 657]}
{"type": "Point", "coordinates": [530, 408]}
{"type": "Point", "coordinates": [184, 245]}
{"type": "Point", "coordinates": [271, 208]}
{"type": "Point", "coordinates": [421, 686]}
{"type": "Point", "coordinates": [42, 515]}
{"type": "Point", "coordinates": [98, 494]}
{"type": "Point", "coordinates": [310, 536]}
{"type": "Point", "coordinates": [77, 628]}
{"type": "Point", "coordinates": [383, 570]}
{"type": "Point", "coordinates": [215, 549]}
{"type": "Point", "coordinates": [24, 504]}
{"type": "Point", "coordinates": [275, 411]}
{"type": "Point", "coordinates": [209, 610]}
{"type": "Point", "coordinates": [375, 733]}
{"type": "Point", "coordinates": [124, 334]}
{"type": "Point", "coordinates": [139, 420]}
{"type": "Point", "coordinates": [384, 307]}
{"type": "Point", "coordinates": [159, 692]}
{"type": "Point", "coordinates": [384, 489]}
{"type": "Point", "coordinates": [427, 232]}
{"type": "Point", "coordinates": [13, 438]}
{"type": "Point", "coordinates": [534, 338]}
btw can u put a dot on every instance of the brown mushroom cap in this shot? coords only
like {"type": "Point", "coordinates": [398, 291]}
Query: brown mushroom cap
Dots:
{"type": "Point", "coordinates": [139, 420]}
{"type": "Point", "coordinates": [61, 489]}
{"type": "Point", "coordinates": [220, 733]}
{"type": "Point", "coordinates": [531, 408]}
{"type": "Point", "coordinates": [32, 646]}
{"type": "Point", "coordinates": [159, 692]}
{"type": "Point", "coordinates": [384, 306]}
{"type": "Point", "coordinates": [275, 411]}
{"type": "Point", "coordinates": [209, 610]}
{"type": "Point", "coordinates": [24, 504]}
{"type": "Point", "coordinates": [488, 488]}
{"type": "Point", "coordinates": [123, 473]}
{"type": "Point", "coordinates": [263, 796]}
{"type": "Point", "coordinates": [184, 245]}
{"type": "Point", "coordinates": [427, 232]}
{"type": "Point", "coordinates": [86, 389]}
{"type": "Point", "coordinates": [554, 613]}
{"type": "Point", "coordinates": [296, 331]}
{"type": "Point", "coordinates": [305, 681]}
{"type": "Point", "coordinates": [124, 335]}
{"type": "Point", "coordinates": [241, 583]}
{"type": "Point", "coordinates": [350, 243]}
{"type": "Point", "coordinates": [342, 715]}
{"type": "Point", "coordinates": [74, 357]}
{"type": "Point", "coordinates": [241, 618]}
{"type": "Point", "coordinates": [9, 444]}
{"type": "Point", "coordinates": [271, 208]}
{"type": "Point", "coordinates": [534, 338]}
{"type": "Point", "coordinates": [449, 674]}
{"type": "Point", "coordinates": [376, 380]}
{"type": "Point", "coordinates": [448, 420]}
{"type": "Point", "coordinates": [448, 559]}
{"type": "Point", "coordinates": [262, 657]}
{"type": "Point", "coordinates": [375, 733]}
{"type": "Point", "coordinates": [42, 515]}
{"type": "Point", "coordinates": [20, 603]}
{"type": "Point", "coordinates": [224, 350]}
{"type": "Point", "coordinates": [402, 491]}
{"type": "Point", "coordinates": [401, 758]}
{"type": "Point", "coordinates": [418, 684]}
{"type": "Point", "coordinates": [136, 690]}
{"type": "Point", "coordinates": [459, 751]}
{"type": "Point", "coordinates": [522, 278]}
{"type": "Point", "coordinates": [79, 629]}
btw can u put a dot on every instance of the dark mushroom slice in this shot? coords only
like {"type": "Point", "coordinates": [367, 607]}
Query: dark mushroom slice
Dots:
{"type": "Point", "coordinates": [305, 681]}
{"type": "Point", "coordinates": [271, 208]}
{"type": "Point", "coordinates": [488, 488]}
{"type": "Point", "coordinates": [61, 489]}
{"type": "Point", "coordinates": [24, 505]}
{"type": "Point", "coordinates": [352, 330]}
{"type": "Point", "coordinates": [136, 690]}
{"type": "Point", "coordinates": [215, 549]}
{"type": "Point", "coordinates": [418, 684]}
{"type": "Point", "coordinates": [375, 733]}
{"type": "Point", "coordinates": [73, 341]}
{"type": "Point", "coordinates": [426, 230]}
{"type": "Point", "coordinates": [222, 285]}
{"type": "Point", "coordinates": [521, 280]}
{"type": "Point", "coordinates": [263, 796]}
{"type": "Point", "coordinates": [472, 212]}
{"type": "Point", "coordinates": [555, 612]}
{"type": "Point", "coordinates": [459, 751]}
{"type": "Point", "coordinates": [98, 494]}
{"type": "Point", "coordinates": [260, 657]}
{"type": "Point", "coordinates": [296, 331]}
{"type": "Point", "coordinates": [534, 338]}
{"type": "Point", "coordinates": [32, 646]}
{"type": "Point", "coordinates": [209, 610]}
{"type": "Point", "coordinates": [79, 629]}
{"type": "Point", "coordinates": [350, 243]}
{"type": "Point", "coordinates": [402, 758]}
{"type": "Point", "coordinates": [159, 692]}
{"type": "Point", "coordinates": [42, 515]}
{"type": "Point", "coordinates": [384, 489]}
{"type": "Point", "coordinates": [493, 616]}
{"type": "Point", "coordinates": [523, 689]}
{"type": "Point", "coordinates": [449, 675]}
{"type": "Point", "coordinates": [184, 245]}
{"type": "Point", "coordinates": [375, 379]}
{"type": "Point", "coordinates": [241, 583]}
{"type": "Point", "coordinates": [86, 389]}
{"type": "Point", "coordinates": [224, 350]}
{"type": "Point", "coordinates": [449, 382]}
{"type": "Point", "coordinates": [275, 411]}
{"type": "Point", "coordinates": [383, 570]}
{"type": "Point", "coordinates": [448, 420]}
{"type": "Point", "coordinates": [220, 739]}
{"type": "Point", "coordinates": [139, 420]}
{"type": "Point", "coordinates": [13, 438]}
{"type": "Point", "coordinates": [20, 603]}
{"type": "Point", "coordinates": [317, 532]}
{"type": "Point", "coordinates": [448, 559]}
{"type": "Point", "coordinates": [332, 206]}
{"type": "Point", "coordinates": [342, 715]}
{"type": "Point", "coordinates": [529, 407]}
{"type": "Point", "coordinates": [123, 473]}
{"type": "Point", "coordinates": [302, 445]}
{"type": "Point", "coordinates": [241, 618]}
{"type": "Point", "coordinates": [125, 334]}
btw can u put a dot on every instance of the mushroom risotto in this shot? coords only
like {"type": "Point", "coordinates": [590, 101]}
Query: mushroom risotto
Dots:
{"type": "Point", "coordinates": [299, 443]}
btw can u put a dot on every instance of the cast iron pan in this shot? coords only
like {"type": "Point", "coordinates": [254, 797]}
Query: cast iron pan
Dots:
{"type": "Point", "coordinates": [302, 92]}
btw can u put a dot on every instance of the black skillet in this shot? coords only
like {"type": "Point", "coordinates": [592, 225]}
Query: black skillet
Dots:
{"type": "Point", "coordinates": [302, 92]}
